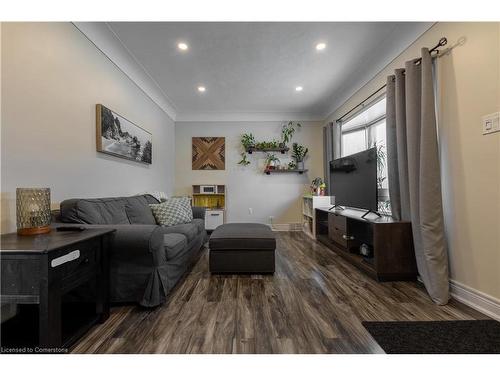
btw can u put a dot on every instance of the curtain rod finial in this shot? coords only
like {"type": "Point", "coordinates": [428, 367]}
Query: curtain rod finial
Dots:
{"type": "Point", "coordinates": [443, 41]}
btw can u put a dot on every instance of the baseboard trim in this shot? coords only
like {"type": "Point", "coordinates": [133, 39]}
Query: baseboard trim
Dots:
{"type": "Point", "coordinates": [287, 227]}
{"type": "Point", "coordinates": [479, 301]}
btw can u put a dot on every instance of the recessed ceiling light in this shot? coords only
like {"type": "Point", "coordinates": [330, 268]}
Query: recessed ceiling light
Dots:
{"type": "Point", "coordinates": [182, 46]}
{"type": "Point", "coordinates": [202, 89]}
{"type": "Point", "coordinates": [320, 46]}
{"type": "Point", "coordinates": [299, 88]}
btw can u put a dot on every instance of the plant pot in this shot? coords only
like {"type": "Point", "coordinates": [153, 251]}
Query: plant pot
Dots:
{"type": "Point", "coordinates": [300, 165]}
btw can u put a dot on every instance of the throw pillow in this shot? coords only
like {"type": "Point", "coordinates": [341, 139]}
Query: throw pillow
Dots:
{"type": "Point", "coordinates": [159, 195]}
{"type": "Point", "coordinates": [173, 211]}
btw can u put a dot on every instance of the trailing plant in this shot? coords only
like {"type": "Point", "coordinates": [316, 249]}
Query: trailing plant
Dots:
{"type": "Point", "coordinates": [244, 161]}
{"type": "Point", "coordinates": [288, 130]}
{"type": "Point", "coordinates": [299, 152]}
{"type": "Point", "coordinates": [274, 144]}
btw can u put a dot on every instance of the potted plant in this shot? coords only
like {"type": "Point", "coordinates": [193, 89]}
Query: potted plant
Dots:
{"type": "Point", "coordinates": [272, 161]}
{"type": "Point", "coordinates": [383, 193]}
{"type": "Point", "coordinates": [299, 153]}
{"type": "Point", "coordinates": [287, 132]}
{"type": "Point", "coordinates": [248, 141]}
{"type": "Point", "coordinates": [316, 185]}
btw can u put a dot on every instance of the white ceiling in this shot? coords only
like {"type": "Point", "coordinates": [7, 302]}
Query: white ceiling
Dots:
{"type": "Point", "coordinates": [255, 67]}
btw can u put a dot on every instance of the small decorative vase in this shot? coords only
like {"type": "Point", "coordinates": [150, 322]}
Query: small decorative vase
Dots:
{"type": "Point", "coordinates": [300, 165]}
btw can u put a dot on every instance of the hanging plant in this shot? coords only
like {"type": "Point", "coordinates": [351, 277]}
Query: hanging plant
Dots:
{"type": "Point", "coordinates": [287, 132]}
{"type": "Point", "coordinates": [244, 161]}
{"type": "Point", "coordinates": [248, 142]}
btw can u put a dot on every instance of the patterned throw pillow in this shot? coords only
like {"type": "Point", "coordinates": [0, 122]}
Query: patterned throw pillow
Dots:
{"type": "Point", "coordinates": [173, 211]}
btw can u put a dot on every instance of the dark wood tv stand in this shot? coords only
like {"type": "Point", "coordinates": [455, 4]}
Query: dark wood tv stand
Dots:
{"type": "Point", "coordinates": [344, 231]}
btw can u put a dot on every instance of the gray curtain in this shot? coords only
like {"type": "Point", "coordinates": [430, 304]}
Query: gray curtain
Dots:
{"type": "Point", "coordinates": [331, 149]}
{"type": "Point", "coordinates": [327, 155]}
{"type": "Point", "coordinates": [414, 172]}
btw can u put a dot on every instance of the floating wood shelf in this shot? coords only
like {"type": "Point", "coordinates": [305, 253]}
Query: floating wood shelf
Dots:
{"type": "Point", "coordinates": [283, 150]}
{"type": "Point", "coordinates": [299, 171]}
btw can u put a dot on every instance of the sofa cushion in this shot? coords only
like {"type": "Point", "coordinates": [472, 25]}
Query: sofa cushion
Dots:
{"type": "Point", "coordinates": [189, 230]}
{"type": "Point", "coordinates": [138, 211]}
{"type": "Point", "coordinates": [99, 210]}
{"type": "Point", "coordinates": [94, 211]}
{"type": "Point", "coordinates": [173, 211]}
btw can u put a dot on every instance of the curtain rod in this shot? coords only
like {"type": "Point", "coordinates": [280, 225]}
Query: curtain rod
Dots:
{"type": "Point", "coordinates": [442, 42]}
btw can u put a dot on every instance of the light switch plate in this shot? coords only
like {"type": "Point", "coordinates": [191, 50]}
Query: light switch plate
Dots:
{"type": "Point", "coordinates": [491, 123]}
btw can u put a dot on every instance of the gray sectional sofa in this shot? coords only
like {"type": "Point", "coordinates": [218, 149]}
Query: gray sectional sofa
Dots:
{"type": "Point", "coordinates": [146, 260]}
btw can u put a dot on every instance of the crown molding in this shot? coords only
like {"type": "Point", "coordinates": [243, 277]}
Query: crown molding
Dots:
{"type": "Point", "coordinates": [107, 42]}
{"type": "Point", "coordinates": [245, 116]}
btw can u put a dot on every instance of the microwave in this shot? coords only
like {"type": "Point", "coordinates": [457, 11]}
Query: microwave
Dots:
{"type": "Point", "coordinates": [208, 189]}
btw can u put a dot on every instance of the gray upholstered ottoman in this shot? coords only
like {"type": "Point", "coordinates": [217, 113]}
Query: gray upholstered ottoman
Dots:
{"type": "Point", "coordinates": [242, 248]}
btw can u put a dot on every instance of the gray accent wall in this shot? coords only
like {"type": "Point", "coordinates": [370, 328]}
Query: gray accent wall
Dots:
{"type": "Point", "coordinates": [52, 78]}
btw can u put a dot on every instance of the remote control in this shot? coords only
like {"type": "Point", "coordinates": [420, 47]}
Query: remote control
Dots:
{"type": "Point", "coordinates": [70, 229]}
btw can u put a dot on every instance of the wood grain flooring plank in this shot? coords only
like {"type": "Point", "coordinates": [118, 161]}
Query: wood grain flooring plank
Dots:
{"type": "Point", "coordinates": [314, 303]}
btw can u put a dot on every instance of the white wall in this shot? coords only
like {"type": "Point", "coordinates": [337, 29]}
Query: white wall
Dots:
{"type": "Point", "coordinates": [52, 78]}
{"type": "Point", "coordinates": [248, 187]}
{"type": "Point", "coordinates": [469, 88]}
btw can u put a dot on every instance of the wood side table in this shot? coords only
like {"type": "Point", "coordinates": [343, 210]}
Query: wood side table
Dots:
{"type": "Point", "coordinates": [43, 270]}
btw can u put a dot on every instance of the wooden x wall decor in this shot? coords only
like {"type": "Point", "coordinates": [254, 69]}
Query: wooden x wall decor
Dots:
{"type": "Point", "coordinates": [209, 153]}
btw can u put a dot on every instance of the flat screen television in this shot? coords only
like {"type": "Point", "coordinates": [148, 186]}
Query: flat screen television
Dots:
{"type": "Point", "coordinates": [353, 180]}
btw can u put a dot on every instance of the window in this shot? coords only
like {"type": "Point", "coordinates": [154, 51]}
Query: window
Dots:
{"type": "Point", "coordinates": [362, 131]}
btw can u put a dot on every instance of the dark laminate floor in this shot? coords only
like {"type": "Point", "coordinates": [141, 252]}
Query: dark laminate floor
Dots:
{"type": "Point", "coordinates": [314, 303]}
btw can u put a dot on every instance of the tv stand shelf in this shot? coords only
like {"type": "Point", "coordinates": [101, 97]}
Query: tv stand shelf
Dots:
{"type": "Point", "coordinates": [390, 240]}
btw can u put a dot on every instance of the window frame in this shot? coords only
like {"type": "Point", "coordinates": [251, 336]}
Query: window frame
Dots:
{"type": "Point", "coordinates": [365, 126]}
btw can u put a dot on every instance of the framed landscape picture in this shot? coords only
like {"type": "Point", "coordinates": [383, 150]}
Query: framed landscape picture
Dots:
{"type": "Point", "coordinates": [209, 153]}
{"type": "Point", "coordinates": [120, 137]}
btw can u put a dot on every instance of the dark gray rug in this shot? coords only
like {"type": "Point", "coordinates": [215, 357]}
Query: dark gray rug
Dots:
{"type": "Point", "coordinates": [437, 337]}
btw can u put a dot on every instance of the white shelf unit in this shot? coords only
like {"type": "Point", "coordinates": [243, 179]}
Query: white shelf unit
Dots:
{"type": "Point", "coordinates": [309, 204]}
{"type": "Point", "coordinates": [214, 200]}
